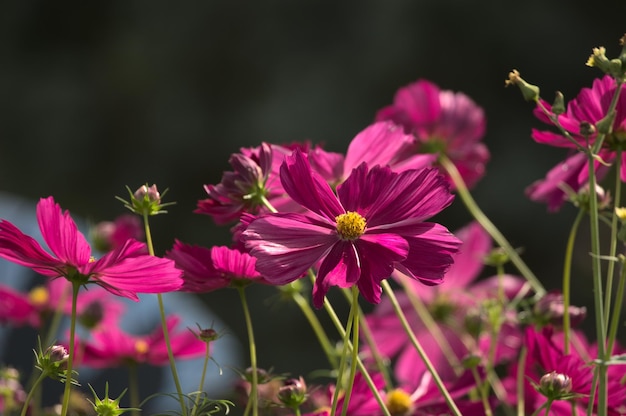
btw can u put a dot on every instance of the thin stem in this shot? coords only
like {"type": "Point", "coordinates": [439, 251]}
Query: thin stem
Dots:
{"type": "Point", "coordinates": [617, 189]}
{"type": "Point", "coordinates": [35, 386]}
{"type": "Point", "coordinates": [615, 317]}
{"type": "Point", "coordinates": [342, 363]}
{"type": "Point", "coordinates": [70, 360]}
{"type": "Point", "coordinates": [252, 346]}
{"type": "Point", "coordinates": [521, 370]}
{"type": "Point", "coordinates": [419, 349]}
{"type": "Point", "coordinates": [166, 335]}
{"type": "Point", "coordinates": [597, 289]}
{"type": "Point", "coordinates": [371, 343]}
{"type": "Point", "coordinates": [207, 355]}
{"type": "Point", "coordinates": [133, 388]}
{"type": "Point", "coordinates": [491, 229]}
{"type": "Point", "coordinates": [567, 276]}
{"type": "Point", "coordinates": [306, 309]}
{"type": "Point", "coordinates": [481, 386]}
{"type": "Point", "coordinates": [368, 379]}
{"type": "Point", "coordinates": [355, 348]}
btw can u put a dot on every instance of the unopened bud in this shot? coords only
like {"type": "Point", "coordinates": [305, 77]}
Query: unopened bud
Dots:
{"type": "Point", "coordinates": [293, 392]}
{"type": "Point", "coordinates": [555, 385]}
{"type": "Point", "coordinates": [58, 354]}
{"type": "Point", "coordinates": [550, 310]}
{"type": "Point", "coordinates": [558, 106]}
{"type": "Point", "coordinates": [586, 129]}
{"type": "Point", "coordinates": [598, 59]}
{"type": "Point", "coordinates": [529, 92]}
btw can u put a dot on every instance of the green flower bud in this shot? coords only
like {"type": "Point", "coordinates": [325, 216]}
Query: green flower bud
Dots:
{"type": "Point", "coordinates": [529, 92]}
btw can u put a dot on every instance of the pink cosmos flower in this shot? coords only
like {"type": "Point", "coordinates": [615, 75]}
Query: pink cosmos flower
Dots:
{"type": "Point", "coordinates": [442, 122]}
{"type": "Point", "coordinates": [207, 269]}
{"type": "Point", "coordinates": [113, 347]}
{"type": "Point", "coordinates": [108, 235]}
{"type": "Point", "coordinates": [590, 106]}
{"type": "Point", "coordinates": [374, 224]}
{"type": "Point", "coordinates": [123, 271]}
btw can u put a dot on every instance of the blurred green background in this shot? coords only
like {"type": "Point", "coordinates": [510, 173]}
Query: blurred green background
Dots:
{"type": "Point", "coordinates": [98, 95]}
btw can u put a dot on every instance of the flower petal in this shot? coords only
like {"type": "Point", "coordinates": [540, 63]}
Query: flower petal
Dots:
{"type": "Point", "coordinates": [341, 267]}
{"type": "Point", "coordinates": [61, 233]}
{"type": "Point", "coordinates": [287, 245]}
{"type": "Point", "coordinates": [307, 187]}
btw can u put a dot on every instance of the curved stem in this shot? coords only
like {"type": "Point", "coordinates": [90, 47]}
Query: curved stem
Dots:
{"type": "Point", "coordinates": [368, 379]}
{"type": "Point", "coordinates": [355, 348]}
{"type": "Point", "coordinates": [254, 398]}
{"type": "Point", "coordinates": [70, 360]}
{"type": "Point", "coordinates": [429, 365]}
{"type": "Point", "coordinates": [34, 387]}
{"type": "Point", "coordinates": [166, 335]}
{"type": "Point", "coordinates": [491, 229]}
{"type": "Point", "coordinates": [567, 276]}
{"type": "Point", "coordinates": [617, 189]}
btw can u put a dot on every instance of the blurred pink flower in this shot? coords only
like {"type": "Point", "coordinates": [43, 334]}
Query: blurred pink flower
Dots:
{"type": "Point", "coordinates": [442, 121]}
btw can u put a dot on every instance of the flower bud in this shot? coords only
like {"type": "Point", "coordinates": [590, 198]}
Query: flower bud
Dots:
{"type": "Point", "coordinates": [555, 385]}
{"type": "Point", "coordinates": [586, 129]}
{"type": "Point", "coordinates": [550, 310]}
{"type": "Point", "coordinates": [558, 106]}
{"type": "Point", "coordinates": [145, 201]}
{"type": "Point", "coordinates": [58, 354]}
{"type": "Point", "coordinates": [529, 92]}
{"type": "Point", "coordinates": [108, 406]}
{"type": "Point", "coordinates": [293, 393]}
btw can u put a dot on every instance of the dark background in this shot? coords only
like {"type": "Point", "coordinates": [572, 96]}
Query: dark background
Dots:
{"type": "Point", "coordinates": [98, 95]}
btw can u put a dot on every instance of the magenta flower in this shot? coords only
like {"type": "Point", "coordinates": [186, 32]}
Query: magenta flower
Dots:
{"type": "Point", "coordinates": [374, 224]}
{"type": "Point", "coordinates": [108, 235]}
{"type": "Point", "coordinates": [590, 106]}
{"type": "Point", "coordinates": [124, 271]}
{"type": "Point", "coordinates": [207, 269]}
{"type": "Point", "coordinates": [113, 347]}
{"type": "Point", "coordinates": [442, 122]}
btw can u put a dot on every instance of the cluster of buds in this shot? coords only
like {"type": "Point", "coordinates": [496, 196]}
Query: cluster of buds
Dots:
{"type": "Point", "coordinates": [615, 67]}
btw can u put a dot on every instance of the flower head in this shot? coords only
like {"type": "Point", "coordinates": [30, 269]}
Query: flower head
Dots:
{"type": "Point", "coordinates": [123, 271]}
{"type": "Point", "coordinates": [443, 122]}
{"type": "Point", "coordinates": [374, 224]}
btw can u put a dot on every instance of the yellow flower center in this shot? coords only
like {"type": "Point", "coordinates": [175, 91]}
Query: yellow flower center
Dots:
{"type": "Point", "coordinates": [350, 225]}
{"type": "Point", "coordinates": [141, 346]}
{"type": "Point", "coordinates": [39, 296]}
{"type": "Point", "coordinates": [399, 402]}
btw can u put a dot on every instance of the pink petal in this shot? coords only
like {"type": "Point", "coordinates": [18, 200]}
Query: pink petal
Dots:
{"type": "Point", "coordinates": [61, 233]}
{"type": "Point", "coordinates": [340, 267]}
{"type": "Point", "coordinates": [200, 274]}
{"type": "Point", "coordinates": [307, 188]}
{"type": "Point", "coordinates": [469, 261]}
{"type": "Point", "coordinates": [287, 245]}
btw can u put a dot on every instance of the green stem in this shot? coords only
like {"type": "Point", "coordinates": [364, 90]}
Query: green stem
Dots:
{"type": "Point", "coordinates": [306, 309]}
{"type": "Point", "coordinates": [355, 348]}
{"type": "Point", "coordinates": [615, 317]}
{"type": "Point", "coordinates": [613, 241]}
{"type": "Point", "coordinates": [521, 370]}
{"type": "Point", "coordinates": [254, 398]}
{"type": "Point", "coordinates": [597, 289]}
{"type": "Point", "coordinates": [431, 369]}
{"type": "Point", "coordinates": [342, 363]}
{"type": "Point", "coordinates": [205, 364]}
{"type": "Point", "coordinates": [166, 335]}
{"type": "Point", "coordinates": [567, 276]}
{"type": "Point", "coordinates": [481, 386]}
{"type": "Point", "coordinates": [491, 229]}
{"type": "Point", "coordinates": [371, 343]}
{"type": "Point", "coordinates": [368, 379]}
{"type": "Point", "coordinates": [133, 388]}
{"type": "Point", "coordinates": [34, 387]}
{"type": "Point", "coordinates": [70, 360]}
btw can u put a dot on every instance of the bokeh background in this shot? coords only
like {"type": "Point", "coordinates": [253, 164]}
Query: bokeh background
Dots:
{"type": "Point", "coordinates": [95, 96]}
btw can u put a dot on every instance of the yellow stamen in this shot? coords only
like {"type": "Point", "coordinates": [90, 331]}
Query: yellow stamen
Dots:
{"type": "Point", "coordinates": [350, 225]}
{"type": "Point", "coordinates": [399, 402]}
{"type": "Point", "coordinates": [39, 296]}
